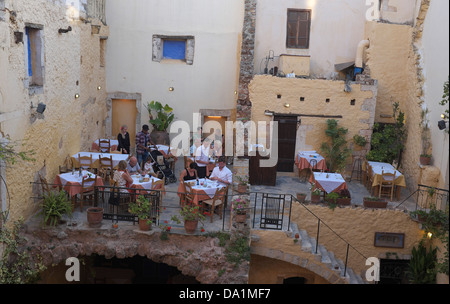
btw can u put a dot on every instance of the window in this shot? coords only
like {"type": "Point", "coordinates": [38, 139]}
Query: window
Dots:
{"type": "Point", "coordinates": [298, 27]}
{"type": "Point", "coordinates": [34, 56]}
{"type": "Point", "coordinates": [173, 49]}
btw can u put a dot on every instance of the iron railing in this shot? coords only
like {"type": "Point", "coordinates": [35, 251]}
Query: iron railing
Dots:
{"type": "Point", "coordinates": [427, 197]}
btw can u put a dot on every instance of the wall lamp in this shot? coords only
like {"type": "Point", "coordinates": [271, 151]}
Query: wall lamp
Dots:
{"type": "Point", "coordinates": [40, 108]}
{"type": "Point", "coordinates": [171, 89]}
{"type": "Point", "coordinates": [442, 124]}
{"type": "Point", "coordinates": [99, 88]}
{"type": "Point", "coordinates": [77, 96]}
{"type": "Point", "coordinates": [268, 113]}
{"type": "Point", "coordinates": [286, 105]}
{"type": "Point", "coordinates": [63, 31]}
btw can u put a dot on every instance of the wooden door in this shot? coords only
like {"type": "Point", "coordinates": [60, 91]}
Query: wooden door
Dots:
{"type": "Point", "coordinates": [287, 134]}
{"type": "Point", "coordinates": [258, 175]}
{"type": "Point", "coordinates": [124, 112]}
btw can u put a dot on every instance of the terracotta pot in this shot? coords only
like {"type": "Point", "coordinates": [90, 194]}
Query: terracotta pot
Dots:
{"type": "Point", "coordinates": [344, 201]}
{"type": "Point", "coordinates": [315, 198]}
{"type": "Point", "coordinates": [374, 204]}
{"type": "Point", "coordinates": [190, 226]}
{"type": "Point", "coordinates": [160, 137]}
{"type": "Point", "coordinates": [144, 226]}
{"type": "Point", "coordinates": [242, 188]}
{"type": "Point", "coordinates": [425, 160]}
{"type": "Point", "coordinates": [95, 217]}
{"type": "Point", "coordinates": [301, 197]}
{"type": "Point", "coordinates": [241, 218]}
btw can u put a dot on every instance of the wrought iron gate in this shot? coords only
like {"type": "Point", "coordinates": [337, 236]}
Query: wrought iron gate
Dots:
{"type": "Point", "coordinates": [272, 210]}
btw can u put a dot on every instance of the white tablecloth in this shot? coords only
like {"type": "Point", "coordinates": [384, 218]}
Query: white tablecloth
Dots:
{"type": "Point", "coordinates": [333, 181]}
{"type": "Point", "coordinates": [310, 155]}
{"type": "Point", "coordinates": [379, 168]}
{"type": "Point", "coordinates": [113, 142]}
{"type": "Point", "coordinates": [210, 189]}
{"type": "Point", "coordinates": [145, 185]}
{"type": "Point", "coordinates": [116, 158]}
{"type": "Point", "coordinates": [75, 177]}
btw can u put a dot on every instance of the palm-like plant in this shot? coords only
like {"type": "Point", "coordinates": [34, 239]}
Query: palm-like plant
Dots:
{"type": "Point", "coordinates": [336, 152]}
{"type": "Point", "coordinates": [54, 206]}
{"type": "Point", "coordinates": [160, 116]}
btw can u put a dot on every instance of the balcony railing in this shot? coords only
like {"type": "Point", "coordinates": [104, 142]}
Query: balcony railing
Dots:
{"type": "Point", "coordinates": [95, 9]}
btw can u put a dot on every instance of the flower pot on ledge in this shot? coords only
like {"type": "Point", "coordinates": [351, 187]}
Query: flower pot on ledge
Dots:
{"type": "Point", "coordinates": [301, 197]}
{"type": "Point", "coordinates": [315, 198]}
{"type": "Point", "coordinates": [344, 201]}
{"type": "Point", "coordinates": [144, 226]}
{"type": "Point", "coordinates": [242, 188]}
{"type": "Point", "coordinates": [425, 160]}
{"type": "Point", "coordinates": [241, 217]}
{"type": "Point", "coordinates": [190, 226]}
{"type": "Point", "coordinates": [370, 203]}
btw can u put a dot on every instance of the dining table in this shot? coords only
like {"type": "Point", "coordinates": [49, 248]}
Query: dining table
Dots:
{"type": "Point", "coordinates": [310, 160]}
{"type": "Point", "coordinates": [378, 168]}
{"type": "Point", "coordinates": [116, 158]}
{"type": "Point", "coordinates": [113, 142]}
{"type": "Point", "coordinates": [328, 182]}
{"type": "Point", "coordinates": [71, 182]}
{"type": "Point", "coordinates": [145, 183]}
{"type": "Point", "coordinates": [205, 190]}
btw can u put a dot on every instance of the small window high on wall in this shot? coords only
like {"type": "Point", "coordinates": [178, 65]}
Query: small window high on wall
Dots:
{"type": "Point", "coordinates": [298, 28]}
{"type": "Point", "coordinates": [173, 49]}
{"type": "Point", "coordinates": [34, 55]}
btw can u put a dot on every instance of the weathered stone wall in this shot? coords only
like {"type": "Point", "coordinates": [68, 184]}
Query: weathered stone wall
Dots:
{"type": "Point", "coordinates": [68, 125]}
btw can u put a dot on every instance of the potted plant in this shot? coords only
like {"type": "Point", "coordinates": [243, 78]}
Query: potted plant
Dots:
{"type": "Point", "coordinates": [360, 141]}
{"type": "Point", "coordinates": [374, 202]}
{"type": "Point", "coordinates": [54, 206]}
{"type": "Point", "coordinates": [315, 194]}
{"type": "Point", "coordinates": [332, 198]}
{"type": "Point", "coordinates": [160, 118]}
{"type": "Point", "coordinates": [242, 183]}
{"type": "Point", "coordinates": [95, 217]}
{"type": "Point", "coordinates": [344, 197]}
{"type": "Point", "coordinates": [239, 207]}
{"type": "Point", "coordinates": [191, 215]}
{"type": "Point", "coordinates": [425, 159]}
{"type": "Point", "coordinates": [141, 208]}
{"type": "Point", "coordinates": [301, 197]}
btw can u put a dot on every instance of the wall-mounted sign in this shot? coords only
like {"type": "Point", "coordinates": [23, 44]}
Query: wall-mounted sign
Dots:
{"type": "Point", "coordinates": [391, 240]}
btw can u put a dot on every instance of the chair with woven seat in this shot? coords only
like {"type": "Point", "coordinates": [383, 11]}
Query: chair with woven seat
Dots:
{"type": "Point", "coordinates": [216, 201]}
{"type": "Point", "coordinates": [370, 177]}
{"type": "Point", "coordinates": [85, 163]}
{"type": "Point", "coordinates": [387, 183]}
{"type": "Point", "coordinates": [87, 190]}
{"type": "Point", "coordinates": [104, 145]}
{"type": "Point", "coordinates": [105, 168]}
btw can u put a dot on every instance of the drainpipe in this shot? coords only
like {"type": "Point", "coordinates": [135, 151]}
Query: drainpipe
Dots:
{"type": "Point", "coordinates": [363, 44]}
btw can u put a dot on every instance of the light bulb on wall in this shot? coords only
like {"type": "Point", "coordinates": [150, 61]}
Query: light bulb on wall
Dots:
{"type": "Point", "coordinates": [77, 96]}
{"type": "Point", "coordinates": [171, 89]}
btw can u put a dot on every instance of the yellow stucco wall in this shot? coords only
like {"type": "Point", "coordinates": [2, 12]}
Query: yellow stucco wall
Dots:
{"type": "Point", "coordinates": [68, 125]}
{"type": "Point", "coordinates": [356, 226]}
{"type": "Point", "coordinates": [358, 118]}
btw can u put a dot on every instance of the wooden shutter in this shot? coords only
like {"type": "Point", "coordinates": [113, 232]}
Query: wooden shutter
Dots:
{"type": "Point", "coordinates": [298, 26]}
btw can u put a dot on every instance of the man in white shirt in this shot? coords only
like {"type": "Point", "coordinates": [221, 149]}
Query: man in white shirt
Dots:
{"type": "Point", "coordinates": [133, 166]}
{"type": "Point", "coordinates": [202, 158]}
{"type": "Point", "coordinates": [222, 174]}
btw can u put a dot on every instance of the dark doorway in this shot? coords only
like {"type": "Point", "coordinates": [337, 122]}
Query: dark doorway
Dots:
{"type": "Point", "coordinates": [393, 271]}
{"type": "Point", "coordinates": [136, 270]}
{"type": "Point", "coordinates": [294, 280]}
{"type": "Point", "coordinates": [287, 134]}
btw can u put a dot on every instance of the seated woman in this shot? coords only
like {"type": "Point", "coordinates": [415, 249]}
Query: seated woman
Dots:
{"type": "Point", "coordinates": [122, 177]}
{"type": "Point", "coordinates": [148, 168]}
{"type": "Point", "coordinates": [190, 173]}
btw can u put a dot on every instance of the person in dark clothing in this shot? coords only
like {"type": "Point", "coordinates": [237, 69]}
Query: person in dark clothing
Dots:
{"type": "Point", "coordinates": [124, 140]}
{"type": "Point", "coordinates": [190, 173]}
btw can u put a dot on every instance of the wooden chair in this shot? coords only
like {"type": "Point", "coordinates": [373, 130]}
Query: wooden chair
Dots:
{"type": "Point", "coordinates": [216, 201]}
{"type": "Point", "coordinates": [188, 194]}
{"type": "Point", "coordinates": [87, 190]}
{"type": "Point", "coordinates": [370, 180]}
{"type": "Point", "coordinates": [104, 145]}
{"type": "Point", "coordinates": [44, 185]}
{"type": "Point", "coordinates": [365, 174]}
{"type": "Point", "coordinates": [122, 201]}
{"type": "Point", "coordinates": [105, 168]}
{"type": "Point", "coordinates": [85, 162]}
{"type": "Point", "coordinates": [387, 182]}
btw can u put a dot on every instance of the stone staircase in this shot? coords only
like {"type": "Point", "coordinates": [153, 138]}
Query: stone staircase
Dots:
{"type": "Point", "coordinates": [327, 258]}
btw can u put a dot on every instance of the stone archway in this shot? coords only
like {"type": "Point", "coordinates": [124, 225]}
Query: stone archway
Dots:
{"type": "Point", "coordinates": [196, 256]}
